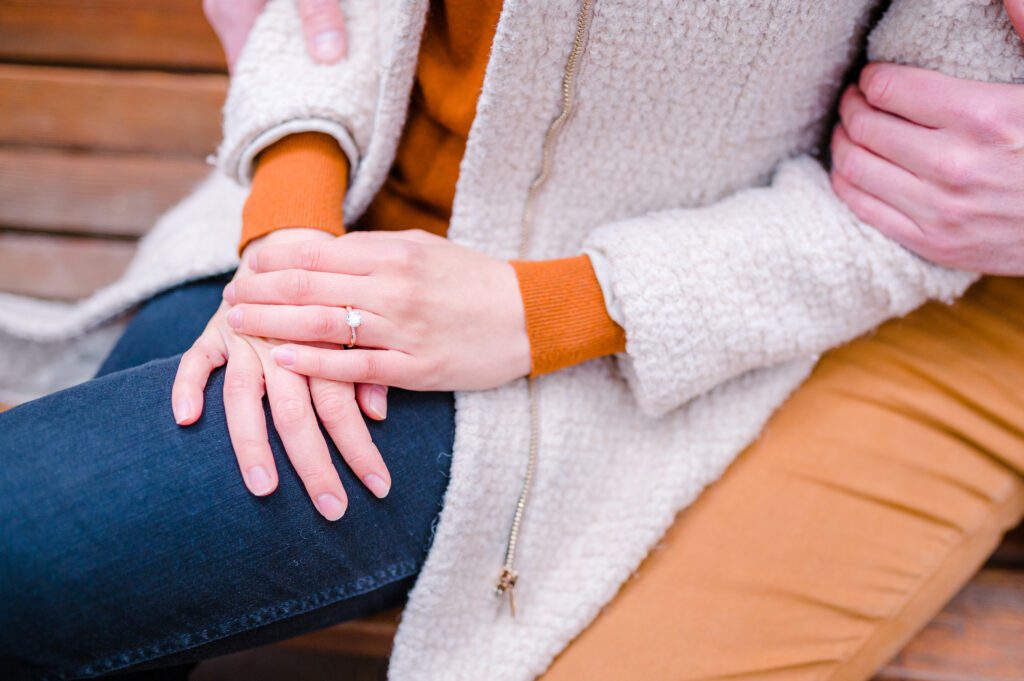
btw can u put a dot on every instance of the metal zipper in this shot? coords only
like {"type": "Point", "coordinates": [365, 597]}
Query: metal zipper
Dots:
{"type": "Point", "coordinates": [508, 577]}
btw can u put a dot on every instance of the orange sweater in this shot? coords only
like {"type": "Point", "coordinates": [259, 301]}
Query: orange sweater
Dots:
{"type": "Point", "coordinates": [300, 182]}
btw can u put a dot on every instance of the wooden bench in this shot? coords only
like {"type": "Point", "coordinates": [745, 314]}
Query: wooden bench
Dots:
{"type": "Point", "coordinates": [107, 111]}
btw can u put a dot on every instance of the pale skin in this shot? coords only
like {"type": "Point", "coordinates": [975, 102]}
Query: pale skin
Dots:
{"type": "Point", "coordinates": [435, 316]}
{"type": "Point", "coordinates": [936, 163]}
{"type": "Point", "coordinates": [295, 402]}
{"type": "Point", "coordinates": [933, 162]}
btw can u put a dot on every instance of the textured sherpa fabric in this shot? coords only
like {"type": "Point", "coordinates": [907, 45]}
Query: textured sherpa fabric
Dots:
{"type": "Point", "coordinates": [686, 166]}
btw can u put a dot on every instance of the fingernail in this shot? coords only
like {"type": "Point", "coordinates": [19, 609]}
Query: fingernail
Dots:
{"type": "Point", "coordinates": [235, 318]}
{"type": "Point", "coordinates": [330, 506]}
{"type": "Point", "coordinates": [379, 401]}
{"type": "Point", "coordinates": [284, 356]}
{"type": "Point", "coordinates": [376, 484]}
{"type": "Point", "coordinates": [182, 410]}
{"type": "Point", "coordinates": [258, 481]}
{"type": "Point", "coordinates": [229, 292]}
{"type": "Point", "coordinates": [328, 46]}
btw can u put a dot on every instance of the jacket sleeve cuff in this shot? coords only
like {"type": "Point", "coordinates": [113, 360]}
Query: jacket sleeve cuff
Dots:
{"type": "Point", "coordinates": [300, 181]}
{"type": "Point", "coordinates": [566, 319]}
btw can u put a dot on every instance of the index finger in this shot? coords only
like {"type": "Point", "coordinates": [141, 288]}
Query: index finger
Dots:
{"type": "Point", "coordinates": [922, 96]}
{"type": "Point", "coordinates": [317, 256]}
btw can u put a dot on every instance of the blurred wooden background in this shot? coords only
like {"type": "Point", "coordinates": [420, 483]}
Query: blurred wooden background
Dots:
{"type": "Point", "coordinates": [108, 109]}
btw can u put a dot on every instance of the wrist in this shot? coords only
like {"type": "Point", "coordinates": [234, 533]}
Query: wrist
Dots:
{"type": "Point", "coordinates": [566, 318]}
{"type": "Point", "coordinates": [299, 181]}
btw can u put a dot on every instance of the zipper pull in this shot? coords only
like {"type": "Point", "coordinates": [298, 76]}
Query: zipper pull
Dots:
{"type": "Point", "coordinates": [507, 584]}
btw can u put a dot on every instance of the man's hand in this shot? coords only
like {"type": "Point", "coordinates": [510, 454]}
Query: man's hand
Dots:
{"type": "Point", "coordinates": [322, 22]}
{"type": "Point", "coordinates": [937, 163]}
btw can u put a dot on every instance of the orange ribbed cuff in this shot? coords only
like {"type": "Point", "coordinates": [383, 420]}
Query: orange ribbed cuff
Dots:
{"type": "Point", "coordinates": [300, 181]}
{"type": "Point", "coordinates": [566, 318]}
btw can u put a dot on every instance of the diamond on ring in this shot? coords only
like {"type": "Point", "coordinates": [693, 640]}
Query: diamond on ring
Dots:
{"type": "Point", "coordinates": [353, 318]}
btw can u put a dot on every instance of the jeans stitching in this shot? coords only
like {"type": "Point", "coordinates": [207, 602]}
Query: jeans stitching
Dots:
{"type": "Point", "coordinates": [251, 620]}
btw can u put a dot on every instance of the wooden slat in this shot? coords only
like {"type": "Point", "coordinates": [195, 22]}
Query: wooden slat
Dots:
{"type": "Point", "coordinates": [59, 267]}
{"type": "Point", "coordinates": [370, 637]}
{"type": "Point", "coordinates": [141, 112]}
{"type": "Point", "coordinates": [977, 637]}
{"type": "Point", "coordinates": [118, 195]}
{"type": "Point", "coordinates": [148, 33]}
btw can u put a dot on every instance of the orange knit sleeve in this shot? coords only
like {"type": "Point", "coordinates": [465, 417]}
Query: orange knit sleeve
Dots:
{"type": "Point", "coordinates": [566, 318]}
{"type": "Point", "coordinates": [300, 181]}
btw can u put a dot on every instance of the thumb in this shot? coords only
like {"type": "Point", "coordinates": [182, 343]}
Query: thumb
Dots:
{"type": "Point", "coordinates": [324, 26]}
{"type": "Point", "coordinates": [1015, 10]}
{"type": "Point", "coordinates": [373, 400]}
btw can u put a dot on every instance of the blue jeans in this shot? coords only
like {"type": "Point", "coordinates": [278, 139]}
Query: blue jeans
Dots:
{"type": "Point", "coordinates": [127, 542]}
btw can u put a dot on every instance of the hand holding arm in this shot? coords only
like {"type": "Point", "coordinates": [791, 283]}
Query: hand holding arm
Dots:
{"type": "Point", "coordinates": [937, 163]}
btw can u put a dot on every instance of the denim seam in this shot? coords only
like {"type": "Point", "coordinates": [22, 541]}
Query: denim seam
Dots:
{"type": "Point", "coordinates": [257, 618]}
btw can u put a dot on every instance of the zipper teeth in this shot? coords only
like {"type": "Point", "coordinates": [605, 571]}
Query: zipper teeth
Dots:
{"type": "Point", "coordinates": [547, 149]}
{"type": "Point", "coordinates": [507, 578]}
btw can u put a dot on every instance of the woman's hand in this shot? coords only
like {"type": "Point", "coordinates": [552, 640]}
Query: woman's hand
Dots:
{"type": "Point", "coordinates": [435, 315]}
{"type": "Point", "coordinates": [936, 163]}
{"type": "Point", "coordinates": [251, 372]}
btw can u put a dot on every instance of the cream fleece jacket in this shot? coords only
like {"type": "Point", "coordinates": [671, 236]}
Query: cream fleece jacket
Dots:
{"type": "Point", "coordinates": [686, 165]}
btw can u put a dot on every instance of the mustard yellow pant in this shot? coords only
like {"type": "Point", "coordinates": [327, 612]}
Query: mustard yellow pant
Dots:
{"type": "Point", "coordinates": [873, 495]}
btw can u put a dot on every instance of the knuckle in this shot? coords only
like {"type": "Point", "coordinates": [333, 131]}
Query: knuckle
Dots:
{"type": "Point", "coordinates": [370, 370]}
{"type": "Point", "coordinates": [310, 255]}
{"type": "Point", "coordinates": [952, 213]}
{"type": "Point", "coordinates": [916, 242]}
{"type": "Point", "coordinates": [864, 211]}
{"type": "Point", "coordinates": [956, 170]}
{"type": "Point", "coordinates": [358, 459]}
{"type": "Point", "coordinates": [317, 364]}
{"type": "Point", "coordinates": [289, 411]}
{"type": "Point", "coordinates": [242, 383]}
{"type": "Point", "coordinates": [192, 355]}
{"type": "Point", "coordinates": [406, 299]}
{"type": "Point", "coordinates": [324, 325]}
{"type": "Point", "coordinates": [334, 410]}
{"type": "Point", "coordinates": [248, 445]}
{"type": "Point", "coordinates": [426, 373]}
{"type": "Point", "coordinates": [402, 254]}
{"type": "Point", "coordinates": [313, 473]}
{"type": "Point", "coordinates": [940, 249]}
{"type": "Point", "coordinates": [990, 120]}
{"type": "Point", "coordinates": [200, 354]}
{"type": "Point", "coordinates": [297, 285]}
